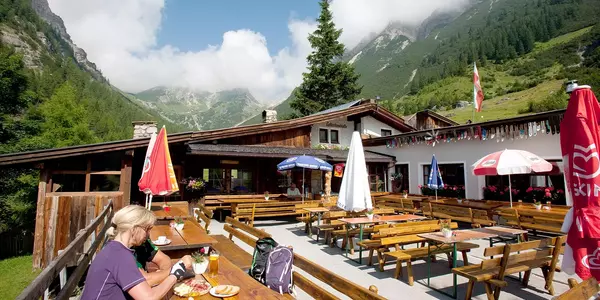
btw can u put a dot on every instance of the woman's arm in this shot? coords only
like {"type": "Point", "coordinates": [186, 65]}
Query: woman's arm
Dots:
{"type": "Point", "coordinates": [144, 291]}
{"type": "Point", "coordinates": [164, 266]}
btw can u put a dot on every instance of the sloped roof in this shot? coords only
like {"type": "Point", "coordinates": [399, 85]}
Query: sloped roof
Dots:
{"type": "Point", "coordinates": [338, 108]}
{"type": "Point", "coordinates": [209, 135]}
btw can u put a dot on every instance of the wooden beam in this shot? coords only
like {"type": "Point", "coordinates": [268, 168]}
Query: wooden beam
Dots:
{"type": "Point", "coordinates": [51, 230]}
{"type": "Point", "coordinates": [38, 241]}
{"type": "Point", "coordinates": [88, 178]}
{"type": "Point", "coordinates": [75, 172]}
{"type": "Point", "coordinates": [125, 179]}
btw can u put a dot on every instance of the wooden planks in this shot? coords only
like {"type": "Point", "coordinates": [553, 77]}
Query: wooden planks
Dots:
{"type": "Point", "coordinates": [584, 290]}
{"type": "Point", "coordinates": [62, 216]}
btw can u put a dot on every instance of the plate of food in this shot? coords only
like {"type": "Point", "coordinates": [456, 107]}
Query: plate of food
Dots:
{"type": "Point", "coordinates": [161, 242]}
{"type": "Point", "coordinates": [192, 288]}
{"type": "Point", "coordinates": [223, 291]}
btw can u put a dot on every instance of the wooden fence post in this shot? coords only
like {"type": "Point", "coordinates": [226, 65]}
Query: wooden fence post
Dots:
{"type": "Point", "coordinates": [38, 240]}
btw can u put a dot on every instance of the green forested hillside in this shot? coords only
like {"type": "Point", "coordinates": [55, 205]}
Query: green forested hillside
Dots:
{"type": "Point", "coordinates": [47, 100]}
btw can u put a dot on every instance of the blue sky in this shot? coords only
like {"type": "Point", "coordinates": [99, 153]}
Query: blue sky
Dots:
{"type": "Point", "coordinates": [191, 25]}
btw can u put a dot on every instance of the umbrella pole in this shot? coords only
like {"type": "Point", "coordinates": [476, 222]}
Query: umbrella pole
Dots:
{"type": "Point", "coordinates": [510, 190]}
{"type": "Point", "coordinates": [435, 194]}
{"type": "Point", "coordinates": [303, 189]}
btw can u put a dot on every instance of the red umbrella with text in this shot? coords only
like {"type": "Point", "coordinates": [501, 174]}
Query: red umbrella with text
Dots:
{"type": "Point", "coordinates": [579, 138]}
{"type": "Point", "coordinates": [158, 176]}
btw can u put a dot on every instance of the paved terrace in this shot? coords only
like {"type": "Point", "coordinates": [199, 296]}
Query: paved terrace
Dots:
{"type": "Point", "coordinates": [290, 232]}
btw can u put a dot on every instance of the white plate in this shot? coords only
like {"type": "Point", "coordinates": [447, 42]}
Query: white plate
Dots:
{"type": "Point", "coordinates": [157, 243]}
{"type": "Point", "coordinates": [214, 294]}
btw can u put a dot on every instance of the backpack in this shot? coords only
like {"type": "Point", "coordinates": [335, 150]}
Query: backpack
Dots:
{"type": "Point", "coordinates": [278, 275]}
{"type": "Point", "coordinates": [264, 246]}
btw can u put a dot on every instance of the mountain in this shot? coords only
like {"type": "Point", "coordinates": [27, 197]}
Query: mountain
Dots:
{"type": "Point", "coordinates": [200, 110]}
{"type": "Point", "coordinates": [430, 65]}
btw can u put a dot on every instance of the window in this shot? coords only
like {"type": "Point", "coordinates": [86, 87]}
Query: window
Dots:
{"type": "Point", "coordinates": [241, 180]}
{"type": "Point", "coordinates": [214, 180]}
{"type": "Point", "coordinates": [323, 136]}
{"type": "Point", "coordinates": [386, 132]}
{"type": "Point", "coordinates": [335, 136]}
{"type": "Point", "coordinates": [452, 174]}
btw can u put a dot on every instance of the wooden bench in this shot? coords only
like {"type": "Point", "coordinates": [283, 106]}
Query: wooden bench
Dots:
{"type": "Point", "coordinates": [339, 283]}
{"type": "Point", "coordinates": [407, 255]}
{"type": "Point", "coordinates": [400, 204]}
{"type": "Point", "coordinates": [203, 215]}
{"type": "Point", "coordinates": [515, 258]}
{"type": "Point", "coordinates": [243, 232]}
{"type": "Point", "coordinates": [304, 215]}
{"type": "Point", "coordinates": [585, 290]}
{"type": "Point", "coordinates": [268, 209]}
{"type": "Point", "coordinates": [475, 217]}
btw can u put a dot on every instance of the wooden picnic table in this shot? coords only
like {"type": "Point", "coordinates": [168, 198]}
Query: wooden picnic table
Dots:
{"type": "Point", "coordinates": [457, 236]}
{"type": "Point", "coordinates": [192, 236]}
{"type": "Point", "coordinates": [376, 219]}
{"type": "Point", "coordinates": [232, 275]}
{"type": "Point", "coordinates": [235, 201]}
{"type": "Point", "coordinates": [178, 210]}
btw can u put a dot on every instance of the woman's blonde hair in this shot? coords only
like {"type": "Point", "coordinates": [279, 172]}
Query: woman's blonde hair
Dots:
{"type": "Point", "coordinates": [129, 217]}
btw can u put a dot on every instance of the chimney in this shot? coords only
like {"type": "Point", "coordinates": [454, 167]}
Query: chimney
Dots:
{"type": "Point", "coordinates": [269, 116]}
{"type": "Point", "coordinates": [143, 129]}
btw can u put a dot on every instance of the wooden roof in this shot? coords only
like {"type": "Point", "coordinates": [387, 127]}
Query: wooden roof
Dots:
{"type": "Point", "coordinates": [210, 135]}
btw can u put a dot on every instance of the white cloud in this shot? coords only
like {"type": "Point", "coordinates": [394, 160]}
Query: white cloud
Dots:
{"type": "Point", "coordinates": [120, 37]}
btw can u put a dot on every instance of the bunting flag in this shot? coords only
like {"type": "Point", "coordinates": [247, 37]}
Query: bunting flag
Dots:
{"type": "Point", "coordinates": [477, 91]}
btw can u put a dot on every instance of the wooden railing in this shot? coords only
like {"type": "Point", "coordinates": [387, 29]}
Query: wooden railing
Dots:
{"type": "Point", "coordinates": [41, 284]}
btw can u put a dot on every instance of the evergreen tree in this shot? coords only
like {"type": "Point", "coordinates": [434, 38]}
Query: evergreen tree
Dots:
{"type": "Point", "coordinates": [329, 81]}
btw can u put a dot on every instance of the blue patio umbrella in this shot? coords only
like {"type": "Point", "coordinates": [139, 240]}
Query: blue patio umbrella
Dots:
{"type": "Point", "coordinates": [435, 177]}
{"type": "Point", "coordinates": [304, 162]}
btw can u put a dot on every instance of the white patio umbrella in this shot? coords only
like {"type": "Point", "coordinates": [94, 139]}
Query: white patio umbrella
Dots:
{"type": "Point", "coordinates": [355, 194]}
{"type": "Point", "coordinates": [508, 162]}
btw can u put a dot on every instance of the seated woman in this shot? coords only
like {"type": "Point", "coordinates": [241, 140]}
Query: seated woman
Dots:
{"type": "Point", "coordinates": [293, 191]}
{"type": "Point", "coordinates": [114, 274]}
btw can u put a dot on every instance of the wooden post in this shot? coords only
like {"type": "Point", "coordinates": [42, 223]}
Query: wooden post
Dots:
{"type": "Point", "coordinates": [125, 178]}
{"type": "Point", "coordinates": [88, 176]}
{"type": "Point", "coordinates": [327, 187]}
{"type": "Point", "coordinates": [38, 242]}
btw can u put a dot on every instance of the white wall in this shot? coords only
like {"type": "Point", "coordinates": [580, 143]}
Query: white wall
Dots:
{"type": "Point", "coordinates": [345, 134]}
{"type": "Point", "coordinates": [373, 126]}
{"type": "Point", "coordinates": [467, 152]}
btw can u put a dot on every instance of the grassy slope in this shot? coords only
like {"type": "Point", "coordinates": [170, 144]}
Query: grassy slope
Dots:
{"type": "Point", "coordinates": [15, 275]}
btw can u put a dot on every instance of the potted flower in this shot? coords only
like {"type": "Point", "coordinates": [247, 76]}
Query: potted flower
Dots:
{"type": "Point", "coordinates": [166, 207]}
{"type": "Point", "coordinates": [405, 194]}
{"type": "Point", "coordinates": [537, 204]}
{"type": "Point", "coordinates": [370, 214]}
{"type": "Point", "coordinates": [446, 230]}
{"type": "Point", "coordinates": [178, 223]}
{"type": "Point", "coordinates": [200, 261]}
{"type": "Point", "coordinates": [267, 195]}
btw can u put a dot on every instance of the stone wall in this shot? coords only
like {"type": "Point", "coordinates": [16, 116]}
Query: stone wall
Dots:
{"type": "Point", "coordinates": [143, 129]}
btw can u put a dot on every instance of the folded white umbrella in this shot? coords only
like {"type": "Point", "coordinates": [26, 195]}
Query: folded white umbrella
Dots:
{"type": "Point", "coordinates": [355, 194]}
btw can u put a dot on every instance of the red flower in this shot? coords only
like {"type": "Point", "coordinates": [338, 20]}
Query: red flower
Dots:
{"type": "Point", "coordinates": [548, 195]}
{"type": "Point", "coordinates": [551, 189]}
{"type": "Point", "coordinates": [420, 186]}
{"type": "Point", "coordinates": [560, 191]}
{"type": "Point", "coordinates": [547, 191]}
{"type": "Point", "coordinates": [529, 190]}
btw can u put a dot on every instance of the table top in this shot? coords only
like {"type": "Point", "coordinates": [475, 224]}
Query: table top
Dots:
{"type": "Point", "coordinates": [458, 236]}
{"type": "Point", "coordinates": [316, 209]}
{"type": "Point", "coordinates": [380, 219]}
{"type": "Point", "coordinates": [245, 200]}
{"type": "Point", "coordinates": [232, 275]}
{"type": "Point", "coordinates": [190, 237]}
{"type": "Point", "coordinates": [501, 231]}
{"type": "Point", "coordinates": [176, 211]}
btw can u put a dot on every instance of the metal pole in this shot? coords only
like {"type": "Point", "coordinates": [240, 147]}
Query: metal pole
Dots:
{"type": "Point", "coordinates": [510, 190]}
{"type": "Point", "coordinates": [303, 189]}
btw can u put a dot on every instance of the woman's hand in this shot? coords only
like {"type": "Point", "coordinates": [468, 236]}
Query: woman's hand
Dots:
{"type": "Point", "coordinates": [187, 261]}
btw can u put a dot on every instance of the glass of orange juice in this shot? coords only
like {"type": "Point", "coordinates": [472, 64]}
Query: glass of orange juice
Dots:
{"type": "Point", "coordinates": [213, 264]}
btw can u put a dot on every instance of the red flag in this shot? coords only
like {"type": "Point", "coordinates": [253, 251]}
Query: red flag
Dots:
{"type": "Point", "coordinates": [158, 176]}
{"type": "Point", "coordinates": [579, 139]}
{"type": "Point", "coordinates": [477, 91]}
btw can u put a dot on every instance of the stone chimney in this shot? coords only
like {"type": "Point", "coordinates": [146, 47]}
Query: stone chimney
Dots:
{"type": "Point", "coordinates": [143, 129]}
{"type": "Point", "coordinates": [269, 116]}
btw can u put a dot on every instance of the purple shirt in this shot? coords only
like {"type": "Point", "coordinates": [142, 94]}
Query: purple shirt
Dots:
{"type": "Point", "coordinates": [112, 273]}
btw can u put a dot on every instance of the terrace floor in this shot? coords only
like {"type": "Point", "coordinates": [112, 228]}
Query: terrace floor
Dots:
{"type": "Point", "coordinates": [290, 232]}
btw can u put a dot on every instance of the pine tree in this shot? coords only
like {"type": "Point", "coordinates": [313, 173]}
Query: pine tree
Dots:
{"type": "Point", "coordinates": [329, 81]}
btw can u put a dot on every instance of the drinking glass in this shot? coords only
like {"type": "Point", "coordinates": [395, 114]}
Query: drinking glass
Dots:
{"type": "Point", "coordinates": [213, 264]}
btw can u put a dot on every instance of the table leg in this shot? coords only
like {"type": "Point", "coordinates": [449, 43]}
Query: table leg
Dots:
{"type": "Point", "coordinates": [428, 263]}
{"type": "Point", "coordinates": [233, 209]}
{"type": "Point", "coordinates": [347, 238]}
{"type": "Point", "coordinates": [318, 224]}
{"type": "Point", "coordinates": [454, 274]}
{"type": "Point", "coordinates": [310, 215]}
{"type": "Point", "coordinates": [360, 247]}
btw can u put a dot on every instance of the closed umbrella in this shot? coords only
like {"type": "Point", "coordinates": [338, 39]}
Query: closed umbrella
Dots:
{"type": "Point", "coordinates": [355, 194]}
{"type": "Point", "coordinates": [304, 162]}
{"type": "Point", "coordinates": [435, 177]}
{"type": "Point", "coordinates": [509, 162]}
{"type": "Point", "coordinates": [579, 138]}
{"type": "Point", "coordinates": [158, 176]}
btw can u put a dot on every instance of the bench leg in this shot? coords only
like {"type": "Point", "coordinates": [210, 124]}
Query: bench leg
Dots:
{"type": "Point", "coordinates": [549, 286]}
{"type": "Point", "coordinates": [351, 242]}
{"type": "Point", "coordinates": [398, 272]}
{"type": "Point", "coordinates": [526, 278]}
{"type": "Point", "coordinates": [409, 273]}
{"type": "Point", "coordinates": [382, 259]}
{"type": "Point", "coordinates": [470, 287]}
{"type": "Point", "coordinates": [449, 255]}
{"type": "Point", "coordinates": [488, 291]}
{"type": "Point", "coordinates": [370, 260]}
{"type": "Point", "coordinates": [465, 259]}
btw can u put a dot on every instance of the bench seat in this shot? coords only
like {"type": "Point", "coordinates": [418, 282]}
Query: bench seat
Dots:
{"type": "Point", "coordinates": [233, 252]}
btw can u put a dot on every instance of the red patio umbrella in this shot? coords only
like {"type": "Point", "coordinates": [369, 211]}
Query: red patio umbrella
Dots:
{"type": "Point", "coordinates": [158, 176]}
{"type": "Point", "coordinates": [579, 139]}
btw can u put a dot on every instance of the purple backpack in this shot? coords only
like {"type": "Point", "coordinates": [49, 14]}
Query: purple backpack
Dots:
{"type": "Point", "coordinates": [278, 275]}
